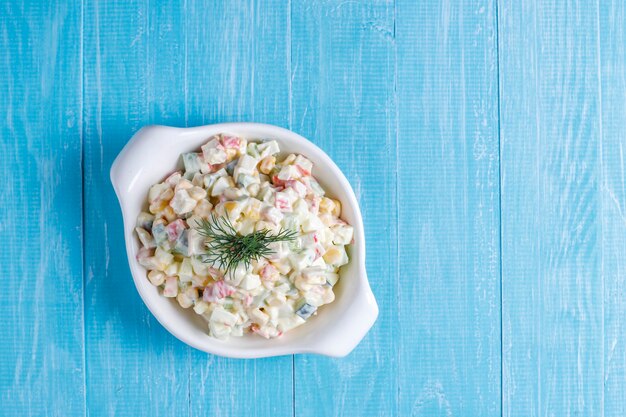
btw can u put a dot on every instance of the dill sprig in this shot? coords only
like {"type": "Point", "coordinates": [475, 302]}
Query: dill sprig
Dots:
{"type": "Point", "coordinates": [226, 248]}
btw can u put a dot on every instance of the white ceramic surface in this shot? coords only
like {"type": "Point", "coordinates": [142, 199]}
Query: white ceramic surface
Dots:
{"type": "Point", "coordinates": [154, 152]}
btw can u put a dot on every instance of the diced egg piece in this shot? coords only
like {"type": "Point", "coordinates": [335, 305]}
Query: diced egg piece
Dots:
{"type": "Point", "coordinates": [250, 282]}
{"type": "Point", "coordinates": [182, 202]}
{"type": "Point", "coordinates": [157, 190]}
{"type": "Point", "coordinates": [213, 152]}
{"type": "Point", "coordinates": [288, 172]}
{"type": "Point", "coordinates": [245, 165]}
{"type": "Point", "coordinates": [268, 148]}
{"type": "Point", "coordinates": [312, 223]}
{"type": "Point", "coordinates": [156, 277]}
{"type": "Point", "coordinates": [219, 330]}
{"type": "Point", "coordinates": [236, 275]}
{"type": "Point", "coordinates": [220, 185]}
{"type": "Point", "coordinates": [220, 315]}
{"type": "Point", "coordinates": [258, 316]}
{"type": "Point", "coordinates": [336, 256]}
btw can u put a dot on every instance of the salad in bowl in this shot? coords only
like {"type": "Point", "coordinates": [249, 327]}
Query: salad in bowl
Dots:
{"type": "Point", "coordinates": [244, 240]}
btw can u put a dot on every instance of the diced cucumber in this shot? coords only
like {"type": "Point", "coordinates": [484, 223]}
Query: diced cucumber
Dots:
{"type": "Point", "coordinates": [145, 220]}
{"type": "Point", "coordinates": [182, 243]}
{"type": "Point", "coordinates": [185, 273]}
{"type": "Point", "coordinates": [230, 167]}
{"type": "Point", "coordinates": [220, 315]}
{"type": "Point", "coordinates": [253, 150]}
{"type": "Point", "coordinates": [160, 235]}
{"type": "Point", "coordinates": [192, 162]}
{"type": "Point", "coordinates": [331, 278]}
{"type": "Point", "coordinates": [304, 309]}
{"type": "Point", "coordinates": [209, 179]}
{"type": "Point", "coordinates": [268, 148]}
{"type": "Point", "coordinates": [244, 180]}
{"type": "Point", "coordinates": [316, 187]}
{"type": "Point", "coordinates": [145, 238]}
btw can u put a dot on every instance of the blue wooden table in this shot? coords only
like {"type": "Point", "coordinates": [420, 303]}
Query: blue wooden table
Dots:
{"type": "Point", "coordinates": [485, 142]}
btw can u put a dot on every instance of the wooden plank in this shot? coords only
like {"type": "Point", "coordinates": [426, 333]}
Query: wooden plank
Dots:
{"type": "Point", "coordinates": [612, 15]}
{"type": "Point", "coordinates": [238, 70]}
{"type": "Point", "coordinates": [343, 99]}
{"type": "Point", "coordinates": [42, 368]}
{"type": "Point", "coordinates": [134, 75]}
{"type": "Point", "coordinates": [448, 193]}
{"type": "Point", "coordinates": [552, 261]}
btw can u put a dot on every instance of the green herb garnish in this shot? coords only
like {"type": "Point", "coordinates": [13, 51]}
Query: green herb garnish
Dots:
{"type": "Point", "coordinates": [226, 248]}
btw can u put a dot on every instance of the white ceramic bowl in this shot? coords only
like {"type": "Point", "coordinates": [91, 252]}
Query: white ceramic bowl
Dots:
{"type": "Point", "coordinates": [153, 152]}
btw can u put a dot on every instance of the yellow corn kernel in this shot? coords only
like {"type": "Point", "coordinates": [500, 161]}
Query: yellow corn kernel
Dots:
{"type": "Point", "coordinates": [231, 153]}
{"type": "Point", "coordinates": [158, 206]}
{"type": "Point", "coordinates": [332, 255]}
{"type": "Point", "coordinates": [326, 205]}
{"type": "Point", "coordinates": [203, 209]}
{"type": "Point", "coordinates": [156, 277]}
{"type": "Point", "coordinates": [336, 211]}
{"type": "Point", "coordinates": [231, 207]}
{"type": "Point", "coordinates": [197, 193]}
{"type": "Point", "coordinates": [253, 189]}
{"type": "Point", "coordinates": [192, 293]}
{"type": "Point", "coordinates": [172, 269]}
{"type": "Point", "coordinates": [262, 225]}
{"type": "Point", "coordinates": [200, 281]}
{"type": "Point", "coordinates": [183, 300]}
{"type": "Point", "coordinates": [267, 164]}
{"type": "Point", "coordinates": [183, 184]}
{"type": "Point", "coordinates": [201, 307]}
{"type": "Point", "coordinates": [252, 210]}
{"type": "Point", "coordinates": [282, 266]}
{"type": "Point", "coordinates": [168, 214]}
{"type": "Point", "coordinates": [252, 214]}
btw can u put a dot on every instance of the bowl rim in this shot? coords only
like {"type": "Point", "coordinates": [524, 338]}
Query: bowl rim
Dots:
{"type": "Point", "coordinates": [363, 306]}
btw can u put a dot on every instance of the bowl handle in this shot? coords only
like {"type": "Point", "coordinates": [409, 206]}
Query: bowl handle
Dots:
{"type": "Point", "coordinates": [132, 157]}
{"type": "Point", "coordinates": [348, 331]}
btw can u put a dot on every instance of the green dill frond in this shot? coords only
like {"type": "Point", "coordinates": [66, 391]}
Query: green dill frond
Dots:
{"type": "Point", "coordinates": [226, 248]}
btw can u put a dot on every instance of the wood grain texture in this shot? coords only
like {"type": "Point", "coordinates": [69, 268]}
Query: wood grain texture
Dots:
{"type": "Point", "coordinates": [448, 194]}
{"type": "Point", "coordinates": [41, 302]}
{"type": "Point", "coordinates": [237, 59]}
{"type": "Point", "coordinates": [343, 72]}
{"type": "Point", "coordinates": [132, 77]}
{"type": "Point", "coordinates": [457, 123]}
{"type": "Point", "coordinates": [552, 259]}
{"type": "Point", "coordinates": [612, 188]}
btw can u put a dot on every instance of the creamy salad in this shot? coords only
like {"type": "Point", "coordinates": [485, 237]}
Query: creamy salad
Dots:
{"type": "Point", "coordinates": [247, 194]}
